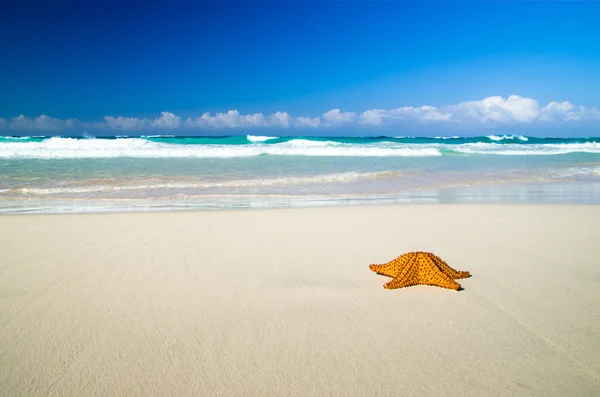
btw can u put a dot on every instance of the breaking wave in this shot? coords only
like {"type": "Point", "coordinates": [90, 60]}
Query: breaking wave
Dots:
{"type": "Point", "coordinates": [55, 148]}
{"type": "Point", "coordinates": [104, 186]}
{"type": "Point", "coordinates": [508, 138]}
{"type": "Point", "coordinates": [250, 146]}
{"type": "Point", "coordinates": [524, 150]}
{"type": "Point", "coordinates": [260, 138]}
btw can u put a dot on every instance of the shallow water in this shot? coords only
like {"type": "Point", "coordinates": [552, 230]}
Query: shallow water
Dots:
{"type": "Point", "coordinates": [163, 173]}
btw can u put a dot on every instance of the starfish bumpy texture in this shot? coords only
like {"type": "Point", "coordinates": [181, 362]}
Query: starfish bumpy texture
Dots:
{"type": "Point", "coordinates": [416, 268]}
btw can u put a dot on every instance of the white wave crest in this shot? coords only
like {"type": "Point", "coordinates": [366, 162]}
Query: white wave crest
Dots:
{"type": "Point", "coordinates": [523, 150]}
{"type": "Point", "coordinates": [245, 183]}
{"type": "Point", "coordinates": [56, 148]}
{"type": "Point", "coordinates": [508, 138]}
{"type": "Point", "coordinates": [17, 138]}
{"type": "Point", "coordinates": [260, 138]}
{"type": "Point", "coordinates": [578, 172]}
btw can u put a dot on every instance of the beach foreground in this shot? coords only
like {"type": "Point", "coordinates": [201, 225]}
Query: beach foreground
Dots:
{"type": "Point", "coordinates": [282, 302]}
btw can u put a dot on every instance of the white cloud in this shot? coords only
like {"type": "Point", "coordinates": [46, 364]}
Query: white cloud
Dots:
{"type": "Point", "coordinates": [335, 116]}
{"type": "Point", "coordinates": [431, 113]}
{"type": "Point", "coordinates": [495, 109]}
{"type": "Point", "coordinates": [42, 122]}
{"type": "Point", "coordinates": [125, 123]}
{"type": "Point", "coordinates": [231, 119]}
{"type": "Point", "coordinates": [373, 116]}
{"type": "Point", "coordinates": [234, 119]}
{"type": "Point", "coordinates": [560, 111]}
{"type": "Point", "coordinates": [303, 121]}
{"type": "Point", "coordinates": [592, 113]}
{"type": "Point", "coordinates": [280, 119]}
{"type": "Point", "coordinates": [491, 111]}
{"type": "Point", "coordinates": [167, 120]}
{"type": "Point", "coordinates": [407, 113]}
{"type": "Point", "coordinates": [22, 123]}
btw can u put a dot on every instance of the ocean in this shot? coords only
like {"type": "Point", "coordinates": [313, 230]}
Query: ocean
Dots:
{"type": "Point", "coordinates": [157, 173]}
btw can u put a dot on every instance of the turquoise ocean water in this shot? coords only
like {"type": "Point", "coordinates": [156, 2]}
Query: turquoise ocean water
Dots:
{"type": "Point", "coordinates": [58, 174]}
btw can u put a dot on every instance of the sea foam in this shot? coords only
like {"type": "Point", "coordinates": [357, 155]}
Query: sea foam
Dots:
{"type": "Point", "coordinates": [132, 185]}
{"type": "Point", "coordinates": [508, 138]}
{"type": "Point", "coordinates": [74, 148]}
{"type": "Point", "coordinates": [260, 138]}
{"type": "Point", "coordinates": [524, 150]}
{"type": "Point", "coordinates": [55, 148]}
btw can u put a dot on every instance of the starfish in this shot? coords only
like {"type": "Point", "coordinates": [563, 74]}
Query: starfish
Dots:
{"type": "Point", "coordinates": [419, 268]}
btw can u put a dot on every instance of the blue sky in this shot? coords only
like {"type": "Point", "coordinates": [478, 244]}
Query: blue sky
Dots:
{"type": "Point", "coordinates": [119, 66]}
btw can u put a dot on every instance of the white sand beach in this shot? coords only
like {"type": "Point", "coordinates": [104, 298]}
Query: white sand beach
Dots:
{"type": "Point", "coordinates": [282, 302]}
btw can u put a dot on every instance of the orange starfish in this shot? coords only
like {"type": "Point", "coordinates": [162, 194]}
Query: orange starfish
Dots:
{"type": "Point", "coordinates": [419, 268]}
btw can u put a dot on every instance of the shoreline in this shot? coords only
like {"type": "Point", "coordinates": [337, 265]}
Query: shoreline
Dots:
{"type": "Point", "coordinates": [569, 193]}
{"type": "Point", "coordinates": [357, 207]}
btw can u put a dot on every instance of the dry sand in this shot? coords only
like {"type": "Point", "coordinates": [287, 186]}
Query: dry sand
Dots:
{"type": "Point", "coordinates": [281, 302]}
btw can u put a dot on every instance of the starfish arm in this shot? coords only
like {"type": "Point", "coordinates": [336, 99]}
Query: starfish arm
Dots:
{"type": "Point", "coordinates": [406, 277]}
{"type": "Point", "coordinates": [400, 282]}
{"type": "Point", "coordinates": [393, 268]}
{"type": "Point", "coordinates": [452, 273]}
{"type": "Point", "coordinates": [386, 269]}
{"type": "Point", "coordinates": [440, 279]}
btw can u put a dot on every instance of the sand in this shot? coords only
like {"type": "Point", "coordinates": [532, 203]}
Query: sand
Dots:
{"type": "Point", "coordinates": [281, 302]}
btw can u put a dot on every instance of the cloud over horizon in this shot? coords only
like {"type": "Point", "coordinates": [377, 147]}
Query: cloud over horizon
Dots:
{"type": "Point", "coordinates": [488, 112]}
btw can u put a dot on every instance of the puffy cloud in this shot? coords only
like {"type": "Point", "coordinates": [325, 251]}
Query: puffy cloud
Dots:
{"type": "Point", "coordinates": [125, 123]}
{"type": "Point", "coordinates": [592, 113]}
{"type": "Point", "coordinates": [495, 109]}
{"type": "Point", "coordinates": [335, 116]}
{"type": "Point", "coordinates": [431, 113]}
{"type": "Point", "coordinates": [559, 111]}
{"type": "Point", "coordinates": [280, 119]}
{"type": "Point", "coordinates": [231, 119]}
{"type": "Point", "coordinates": [42, 122]}
{"type": "Point", "coordinates": [167, 120]}
{"type": "Point", "coordinates": [373, 116]}
{"type": "Point", "coordinates": [303, 121]}
{"type": "Point", "coordinates": [491, 111]}
{"type": "Point", "coordinates": [408, 113]}
{"type": "Point", "coordinates": [22, 123]}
